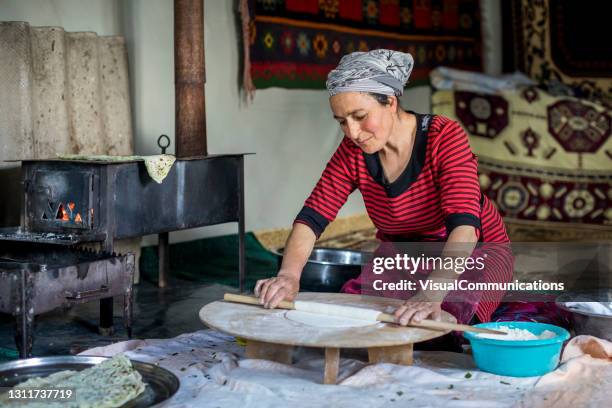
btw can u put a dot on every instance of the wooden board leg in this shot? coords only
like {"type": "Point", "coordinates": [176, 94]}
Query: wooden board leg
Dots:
{"type": "Point", "coordinates": [269, 351]}
{"type": "Point", "coordinates": [391, 354]}
{"type": "Point", "coordinates": [332, 364]}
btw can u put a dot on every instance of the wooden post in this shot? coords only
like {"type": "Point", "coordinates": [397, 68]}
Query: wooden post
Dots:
{"type": "Point", "coordinates": [189, 78]}
{"type": "Point", "coordinates": [163, 254]}
{"type": "Point", "coordinates": [269, 351]}
{"type": "Point", "coordinates": [332, 365]}
{"type": "Point", "coordinates": [391, 354]}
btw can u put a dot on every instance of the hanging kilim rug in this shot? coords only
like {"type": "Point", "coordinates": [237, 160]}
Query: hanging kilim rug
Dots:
{"type": "Point", "coordinates": [295, 43]}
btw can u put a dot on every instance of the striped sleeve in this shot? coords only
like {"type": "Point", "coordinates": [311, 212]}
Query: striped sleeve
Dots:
{"type": "Point", "coordinates": [456, 168]}
{"type": "Point", "coordinates": [337, 182]}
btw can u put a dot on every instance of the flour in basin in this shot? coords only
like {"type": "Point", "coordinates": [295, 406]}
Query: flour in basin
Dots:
{"type": "Point", "coordinates": [517, 334]}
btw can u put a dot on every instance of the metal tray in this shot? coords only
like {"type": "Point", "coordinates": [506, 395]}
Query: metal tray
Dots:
{"type": "Point", "coordinates": [161, 384]}
{"type": "Point", "coordinates": [585, 322]}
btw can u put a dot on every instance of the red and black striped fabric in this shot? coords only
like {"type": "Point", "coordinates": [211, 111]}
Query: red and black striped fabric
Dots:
{"type": "Point", "coordinates": [437, 192]}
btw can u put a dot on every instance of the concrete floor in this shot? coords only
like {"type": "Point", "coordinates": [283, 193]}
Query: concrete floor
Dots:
{"type": "Point", "coordinates": [158, 313]}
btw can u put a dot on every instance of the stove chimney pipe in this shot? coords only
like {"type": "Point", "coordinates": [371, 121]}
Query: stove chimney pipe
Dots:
{"type": "Point", "coordinates": [189, 78]}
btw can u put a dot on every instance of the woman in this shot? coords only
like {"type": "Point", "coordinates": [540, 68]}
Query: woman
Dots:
{"type": "Point", "coordinates": [417, 176]}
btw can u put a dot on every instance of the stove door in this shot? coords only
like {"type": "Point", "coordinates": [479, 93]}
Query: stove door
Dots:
{"type": "Point", "coordinates": [57, 200]}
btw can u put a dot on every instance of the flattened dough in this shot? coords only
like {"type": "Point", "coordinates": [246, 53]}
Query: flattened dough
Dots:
{"type": "Point", "coordinates": [350, 312]}
{"type": "Point", "coordinates": [327, 321]}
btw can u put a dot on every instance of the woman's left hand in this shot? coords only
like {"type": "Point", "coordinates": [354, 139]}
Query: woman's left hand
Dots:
{"type": "Point", "coordinates": [415, 310]}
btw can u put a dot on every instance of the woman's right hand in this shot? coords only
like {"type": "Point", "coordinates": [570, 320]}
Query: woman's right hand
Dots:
{"type": "Point", "coordinates": [273, 290]}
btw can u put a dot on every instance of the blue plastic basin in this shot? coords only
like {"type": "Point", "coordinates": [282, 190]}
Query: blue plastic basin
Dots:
{"type": "Point", "coordinates": [518, 358]}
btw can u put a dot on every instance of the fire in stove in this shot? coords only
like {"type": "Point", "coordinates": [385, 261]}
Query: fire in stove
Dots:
{"type": "Point", "coordinates": [65, 213]}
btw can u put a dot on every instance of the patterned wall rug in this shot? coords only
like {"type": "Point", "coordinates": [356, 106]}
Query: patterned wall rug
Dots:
{"type": "Point", "coordinates": [562, 44]}
{"type": "Point", "coordinates": [295, 43]}
{"type": "Point", "coordinates": [545, 161]}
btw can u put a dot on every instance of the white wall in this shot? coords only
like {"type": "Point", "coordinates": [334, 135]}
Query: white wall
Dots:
{"type": "Point", "coordinates": [291, 131]}
{"type": "Point", "coordinates": [100, 16]}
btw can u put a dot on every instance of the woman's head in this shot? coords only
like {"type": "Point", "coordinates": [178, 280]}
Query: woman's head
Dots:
{"type": "Point", "coordinates": [365, 118]}
{"type": "Point", "coordinates": [363, 95]}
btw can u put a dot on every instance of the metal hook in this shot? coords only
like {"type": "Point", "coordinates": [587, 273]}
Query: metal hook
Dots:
{"type": "Point", "coordinates": [159, 143]}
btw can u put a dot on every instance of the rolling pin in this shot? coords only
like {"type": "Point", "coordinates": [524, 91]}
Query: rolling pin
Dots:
{"type": "Point", "coordinates": [382, 317]}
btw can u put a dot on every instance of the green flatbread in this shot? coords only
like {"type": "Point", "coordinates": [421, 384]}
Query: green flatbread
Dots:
{"type": "Point", "coordinates": [158, 166]}
{"type": "Point", "coordinates": [98, 157]}
{"type": "Point", "coordinates": [109, 384]}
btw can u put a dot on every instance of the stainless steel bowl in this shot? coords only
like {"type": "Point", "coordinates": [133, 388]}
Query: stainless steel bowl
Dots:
{"type": "Point", "coordinates": [588, 323]}
{"type": "Point", "coordinates": [328, 269]}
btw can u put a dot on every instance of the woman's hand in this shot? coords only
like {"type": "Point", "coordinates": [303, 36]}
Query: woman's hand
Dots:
{"type": "Point", "coordinates": [416, 309]}
{"type": "Point", "coordinates": [273, 290]}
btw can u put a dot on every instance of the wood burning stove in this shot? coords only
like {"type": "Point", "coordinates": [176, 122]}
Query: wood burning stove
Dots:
{"type": "Point", "coordinates": [94, 200]}
{"type": "Point", "coordinates": [70, 202]}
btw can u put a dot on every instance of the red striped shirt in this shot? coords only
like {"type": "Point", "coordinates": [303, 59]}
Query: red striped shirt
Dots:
{"type": "Point", "coordinates": [441, 189]}
{"type": "Point", "coordinates": [437, 192]}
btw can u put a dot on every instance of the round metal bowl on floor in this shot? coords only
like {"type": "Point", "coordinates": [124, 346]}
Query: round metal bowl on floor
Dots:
{"type": "Point", "coordinates": [328, 269]}
{"type": "Point", "coordinates": [585, 322]}
{"type": "Point", "coordinates": [160, 383]}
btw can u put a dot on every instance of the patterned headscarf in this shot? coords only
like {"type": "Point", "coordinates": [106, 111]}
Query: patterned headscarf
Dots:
{"type": "Point", "coordinates": [379, 71]}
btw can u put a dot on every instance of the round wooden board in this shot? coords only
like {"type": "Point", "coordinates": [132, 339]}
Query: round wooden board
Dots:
{"type": "Point", "coordinates": [271, 325]}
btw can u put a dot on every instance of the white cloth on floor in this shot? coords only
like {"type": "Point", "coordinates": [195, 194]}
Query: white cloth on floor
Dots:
{"type": "Point", "coordinates": [584, 378]}
{"type": "Point", "coordinates": [213, 374]}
